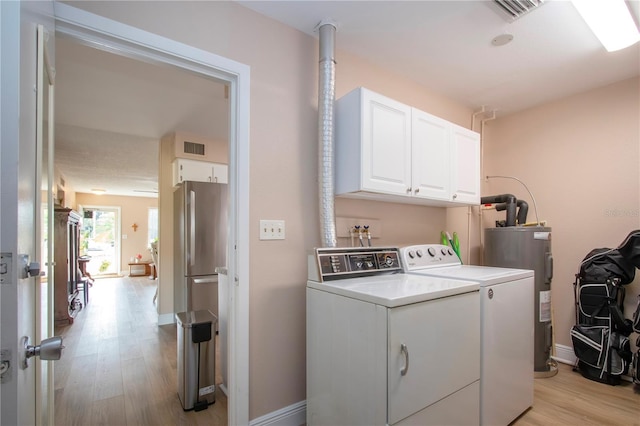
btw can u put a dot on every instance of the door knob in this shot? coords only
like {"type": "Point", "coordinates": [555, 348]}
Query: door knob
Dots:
{"type": "Point", "coordinates": [48, 350]}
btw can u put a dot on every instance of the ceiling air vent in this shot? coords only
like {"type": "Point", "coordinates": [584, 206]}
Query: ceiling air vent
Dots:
{"type": "Point", "coordinates": [193, 148]}
{"type": "Point", "coordinates": [515, 9]}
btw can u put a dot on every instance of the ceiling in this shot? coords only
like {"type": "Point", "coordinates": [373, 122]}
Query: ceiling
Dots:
{"type": "Point", "coordinates": [112, 110]}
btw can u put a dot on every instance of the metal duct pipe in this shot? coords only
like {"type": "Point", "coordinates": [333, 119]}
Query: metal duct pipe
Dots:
{"type": "Point", "coordinates": [326, 137]}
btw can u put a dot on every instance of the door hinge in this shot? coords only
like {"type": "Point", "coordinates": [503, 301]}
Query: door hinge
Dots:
{"type": "Point", "coordinates": [5, 366]}
{"type": "Point", "coordinates": [6, 268]}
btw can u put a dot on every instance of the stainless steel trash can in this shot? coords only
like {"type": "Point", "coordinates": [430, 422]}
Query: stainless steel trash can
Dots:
{"type": "Point", "coordinates": [196, 359]}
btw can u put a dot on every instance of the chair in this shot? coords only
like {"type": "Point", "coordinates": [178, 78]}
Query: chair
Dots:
{"type": "Point", "coordinates": [154, 257]}
{"type": "Point", "coordinates": [83, 284]}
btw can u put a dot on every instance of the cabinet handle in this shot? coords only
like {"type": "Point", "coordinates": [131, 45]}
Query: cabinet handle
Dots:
{"type": "Point", "coordinates": [416, 191]}
{"type": "Point", "coordinates": [405, 351]}
{"type": "Point", "coordinates": [192, 228]}
{"type": "Point", "coordinates": [408, 190]}
{"type": "Point", "coordinates": [455, 196]}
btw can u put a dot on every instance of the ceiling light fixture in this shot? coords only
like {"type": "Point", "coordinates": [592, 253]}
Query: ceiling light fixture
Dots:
{"type": "Point", "coordinates": [610, 21]}
{"type": "Point", "coordinates": [502, 39]}
{"type": "Point", "coordinates": [98, 191]}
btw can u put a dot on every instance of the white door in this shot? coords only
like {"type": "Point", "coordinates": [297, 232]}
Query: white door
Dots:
{"type": "Point", "coordinates": [24, 299]}
{"type": "Point", "coordinates": [386, 150]}
{"type": "Point", "coordinates": [434, 351]}
{"type": "Point", "coordinates": [465, 166]}
{"type": "Point", "coordinates": [430, 156]}
{"type": "Point", "coordinates": [44, 218]}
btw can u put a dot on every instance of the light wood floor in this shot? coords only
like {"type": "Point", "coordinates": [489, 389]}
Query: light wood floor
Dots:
{"type": "Point", "coordinates": [118, 367]}
{"type": "Point", "coordinates": [569, 399]}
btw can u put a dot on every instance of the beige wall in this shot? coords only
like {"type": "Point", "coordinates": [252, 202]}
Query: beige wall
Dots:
{"type": "Point", "coordinates": [283, 171]}
{"type": "Point", "coordinates": [580, 158]}
{"type": "Point", "coordinates": [132, 210]}
{"type": "Point", "coordinates": [283, 152]}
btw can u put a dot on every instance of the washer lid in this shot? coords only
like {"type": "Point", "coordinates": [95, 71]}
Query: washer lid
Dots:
{"type": "Point", "coordinates": [396, 290]}
{"type": "Point", "coordinates": [485, 275]}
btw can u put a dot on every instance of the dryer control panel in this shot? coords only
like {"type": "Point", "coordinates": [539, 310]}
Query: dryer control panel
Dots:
{"type": "Point", "coordinates": [326, 264]}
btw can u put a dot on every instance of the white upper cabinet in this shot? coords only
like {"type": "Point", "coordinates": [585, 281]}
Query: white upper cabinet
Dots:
{"type": "Point", "coordinates": [199, 171]}
{"type": "Point", "coordinates": [373, 144]}
{"type": "Point", "coordinates": [388, 151]}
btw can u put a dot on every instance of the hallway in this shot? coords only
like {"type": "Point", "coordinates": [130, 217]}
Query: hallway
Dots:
{"type": "Point", "coordinates": [118, 367]}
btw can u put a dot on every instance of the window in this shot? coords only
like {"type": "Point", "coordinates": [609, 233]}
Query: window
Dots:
{"type": "Point", "coordinates": [153, 224]}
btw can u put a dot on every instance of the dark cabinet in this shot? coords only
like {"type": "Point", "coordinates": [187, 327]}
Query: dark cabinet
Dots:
{"type": "Point", "coordinates": [66, 239]}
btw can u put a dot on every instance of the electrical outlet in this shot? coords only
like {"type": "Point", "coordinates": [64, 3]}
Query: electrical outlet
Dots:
{"type": "Point", "coordinates": [271, 229]}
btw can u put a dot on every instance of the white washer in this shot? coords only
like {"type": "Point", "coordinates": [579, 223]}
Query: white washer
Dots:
{"type": "Point", "coordinates": [507, 327]}
{"type": "Point", "coordinates": [387, 348]}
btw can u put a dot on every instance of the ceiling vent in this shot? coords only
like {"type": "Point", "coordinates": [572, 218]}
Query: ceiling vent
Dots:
{"type": "Point", "coordinates": [515, 9]}
{"type": "Point", "coordinates": [193, 148]}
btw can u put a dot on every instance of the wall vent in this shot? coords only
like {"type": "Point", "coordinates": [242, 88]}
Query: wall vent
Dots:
{"type": "Point", "coordinates": [193, 148]}
{"type": "Point", "coordinates": [515, 9]}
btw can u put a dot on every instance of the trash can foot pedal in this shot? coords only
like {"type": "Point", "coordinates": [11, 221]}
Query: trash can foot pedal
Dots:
{"type": "Point", "coordinates": [200, 405]}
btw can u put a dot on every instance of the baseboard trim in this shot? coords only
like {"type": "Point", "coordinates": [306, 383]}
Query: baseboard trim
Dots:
{"type": "Point", "coordinates": [224, 389]}
{"type": "Point", "coordinates": [293, 415]}
{"type": "Point", "coordinates": [564, 354]}
{"type": "Point", "coordinates": [165, 319]}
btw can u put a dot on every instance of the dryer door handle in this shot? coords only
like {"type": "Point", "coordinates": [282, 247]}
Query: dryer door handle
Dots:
{"type": "Point", "coordinates": [404, 350]}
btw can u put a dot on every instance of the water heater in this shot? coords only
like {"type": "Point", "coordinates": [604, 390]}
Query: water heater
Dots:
{"type": "Point", "coordinates": [527, 247]}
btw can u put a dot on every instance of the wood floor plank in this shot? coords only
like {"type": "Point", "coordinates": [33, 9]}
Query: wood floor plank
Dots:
{"type": "Point", "coordinates": [108, 412]}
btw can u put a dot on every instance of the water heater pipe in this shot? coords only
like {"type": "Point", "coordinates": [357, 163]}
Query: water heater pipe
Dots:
{"type": "Point", "coordinates": [326, 128]}
{"type": "Point", "coordinates": [510, 205]}
{"type": "Point", "coordinates": [535, 206]}
{"type": "Point", "coordinates": [482, 122]}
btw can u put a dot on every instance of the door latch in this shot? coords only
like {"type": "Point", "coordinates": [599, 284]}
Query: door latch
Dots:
{"type": "Point", "coordinates": [28, 269]}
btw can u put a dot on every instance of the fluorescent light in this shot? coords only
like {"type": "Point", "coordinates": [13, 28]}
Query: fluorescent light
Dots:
{"type": "Point", "coordinates": [610, 21]}
{"type": "Point", "coordinates": [98, 191]}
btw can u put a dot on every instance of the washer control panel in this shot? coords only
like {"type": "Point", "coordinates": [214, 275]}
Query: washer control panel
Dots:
{"type": "Point", "coordinates": [326, 264]}
{"type": "Point", "coordinates": [428, 256]}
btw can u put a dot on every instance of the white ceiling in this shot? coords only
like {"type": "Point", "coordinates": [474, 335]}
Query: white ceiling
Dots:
{"type": "Point", "coordinates": [111, 110]}
{"type": "Point", "coordinates": [446, 46]}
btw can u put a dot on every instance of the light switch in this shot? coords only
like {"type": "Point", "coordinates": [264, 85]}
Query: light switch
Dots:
{"type": "Point", "coordinates": [271, 229]}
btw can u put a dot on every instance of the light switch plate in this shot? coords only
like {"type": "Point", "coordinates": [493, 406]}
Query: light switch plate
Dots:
{"type": "Point", "coordinates": [271, 229]}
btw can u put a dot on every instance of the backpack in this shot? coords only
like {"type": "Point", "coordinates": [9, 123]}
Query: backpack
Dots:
{"type": "Point", "coordinates": [601, 335]}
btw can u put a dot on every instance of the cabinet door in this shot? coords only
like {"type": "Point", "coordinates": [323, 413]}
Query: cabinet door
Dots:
{"type": "Point", "coordinates": [386, 144]}
{"type": "Point", "coordinates": [430, 156]}
{"type": "Point", "coordinates": [465, 167]}
{"type": "Point", "coordinates": [192, 170]}
{"type": "Point", "coordinates": [220, 173]}
{"type": "Point", "coordinates": [442, 338]}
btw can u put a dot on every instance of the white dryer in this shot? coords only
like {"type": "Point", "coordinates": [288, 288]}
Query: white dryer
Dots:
{"type": "Point", "coordinates": [388, 348]}
{"type": "Point", "coordinates": [507, 306]}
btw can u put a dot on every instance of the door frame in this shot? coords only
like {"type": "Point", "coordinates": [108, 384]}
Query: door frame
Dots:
{"type": "Point", "coordinates": [106, 34]}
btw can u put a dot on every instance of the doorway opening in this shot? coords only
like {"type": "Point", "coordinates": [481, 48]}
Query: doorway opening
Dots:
{"type": "Point", "coordinates": [109, 35]}
{"type": "Point", "coordinates": [100, 239]}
